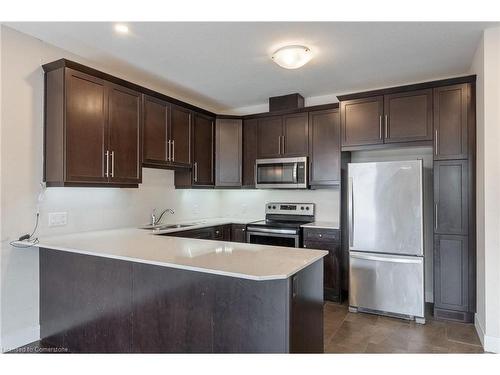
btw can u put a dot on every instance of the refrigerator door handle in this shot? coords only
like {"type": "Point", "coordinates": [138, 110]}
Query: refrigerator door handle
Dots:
{"type": "Point", "coordinates": [386, 258]}
{"type": "Point", "coordinates": [350, 210]}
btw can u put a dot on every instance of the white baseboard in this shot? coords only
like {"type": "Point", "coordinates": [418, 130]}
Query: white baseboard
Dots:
{"type": "Point", "coordinates": [490, 344]}
{"type": "Point", "coordinates": [20, 337]}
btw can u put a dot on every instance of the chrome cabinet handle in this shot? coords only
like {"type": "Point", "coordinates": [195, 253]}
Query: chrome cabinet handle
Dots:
{"type": "Point", "coordinates": [436, 142]}
{"type": "Point", "coordinates": [386, 128]}
{"type": "Point", "coordinates": [106, 174]}
{"type": "Point", "coordinates": [195, 165]}
{"type": "Point", "coordinates": [168, 150]}
{"type": "Point", "coordinates": [283, 144]}
{"type": "Point", "coordinates": [380, 126]}
{"type": "Point", "coordinates": [435, 216]}
{"type": "Point", "coordinates": [173, 150]}
{"type": "Point", "coordinates": [112, 164]}
{"type": "Point", "coordinates": [279, 145]}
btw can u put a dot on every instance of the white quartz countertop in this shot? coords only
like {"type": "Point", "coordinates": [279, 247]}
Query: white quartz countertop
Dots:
{"type": "Point", "coordinates": [247, 261]}
{"type": "Point", "coordinates": [322, 225]}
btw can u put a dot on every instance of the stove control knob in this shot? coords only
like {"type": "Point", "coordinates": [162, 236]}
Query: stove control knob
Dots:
{"type": "Point", "coordinates": [274, 207]}
{"type": "Point", "coordinates": [269, 207]}
{"type": "Point", "coordinates": [307, 208]}
{"type": "Point", "coordinates": [302, 207]}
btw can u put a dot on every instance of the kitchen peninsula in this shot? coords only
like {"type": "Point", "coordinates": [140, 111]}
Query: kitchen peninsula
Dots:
{"type": "Point", "coordinates": [131, 290]}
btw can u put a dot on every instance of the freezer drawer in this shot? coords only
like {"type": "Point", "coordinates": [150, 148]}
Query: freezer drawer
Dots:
{"type": "Point", "coordinates": [387, 283]}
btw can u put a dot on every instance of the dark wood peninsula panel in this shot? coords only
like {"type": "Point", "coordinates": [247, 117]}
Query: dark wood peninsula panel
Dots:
{"type": "Point", "coordinates": [91, 304]}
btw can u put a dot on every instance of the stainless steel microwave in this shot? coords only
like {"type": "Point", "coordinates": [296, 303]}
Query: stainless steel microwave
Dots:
{"type": "Point", "coordinates": [282, 173]}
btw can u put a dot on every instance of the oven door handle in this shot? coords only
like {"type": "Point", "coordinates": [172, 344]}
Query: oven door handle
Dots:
{"type": "Point", "coordinates": [255, 230]}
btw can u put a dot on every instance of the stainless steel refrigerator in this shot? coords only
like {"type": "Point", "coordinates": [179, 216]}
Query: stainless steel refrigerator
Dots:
{"type": "Point", "coordinates": [386, 244]}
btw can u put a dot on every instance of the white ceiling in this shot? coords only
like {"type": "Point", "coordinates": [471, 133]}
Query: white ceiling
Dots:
{"type": "Point", "coordinates": [227, 65]}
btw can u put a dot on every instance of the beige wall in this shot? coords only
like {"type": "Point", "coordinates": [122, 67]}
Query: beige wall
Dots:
{"type": "Point", "coordinates": [88, 209]}
{"type": "Point", "coordinates": [486, 65]}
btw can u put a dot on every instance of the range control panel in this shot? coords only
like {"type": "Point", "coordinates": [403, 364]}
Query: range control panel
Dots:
{"type": "Point", "coordinates": [290, 208]}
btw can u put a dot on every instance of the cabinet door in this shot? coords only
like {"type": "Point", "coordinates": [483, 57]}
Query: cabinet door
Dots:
{"type": "Point", "coordinates": [451, 197]}
{"type": "Point", "coordinates": [324, 147]}
{"type": "Point", "coordinates": [451, 104]}
{"type": "Point", "coordinates": [180, 136]}
{"type": "Point", "coordinates": [294, 139]}
{"type": "Point", "coordinates": [451, 268]}
{"type": "Point", "coordinates": [86, 128]}
{"type": "Point", "coordinates": [269, 132]}
{"type": "Point", "coordinates": [361, 121]}
{"type": "Point", "coordinates": [124, 123]}
{"type": "Point", "coordinates": [408, 116]}
{"type": "Point", "coordinates": [332, 277]}
{"type": "Point", "coordinates": [249, 152]}
{"type": "Point", "coordinates": [203, 150]}
{"type": "Point", "coordinates": [238, 233]}
{"type": "Point", "coordinates": [155, 113]}
{"type": "Point", "coordinates": [228, 152]}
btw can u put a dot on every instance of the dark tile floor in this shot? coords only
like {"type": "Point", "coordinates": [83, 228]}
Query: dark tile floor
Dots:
{"type": "Point", "coordinates": [347, 332]}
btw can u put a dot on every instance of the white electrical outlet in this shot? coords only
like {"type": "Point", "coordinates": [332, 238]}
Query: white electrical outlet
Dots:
{"type": "Point", "coordinates": [58, 219]}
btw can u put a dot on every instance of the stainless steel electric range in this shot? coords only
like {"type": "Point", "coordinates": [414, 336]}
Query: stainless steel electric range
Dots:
{"type": "Point", "coordinates": [282, 226]}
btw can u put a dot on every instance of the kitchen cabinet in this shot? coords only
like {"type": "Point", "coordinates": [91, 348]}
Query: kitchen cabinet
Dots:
{"type": "Point", "coordinates": [282, 136]}
{"type": "Point", "coordinates": [180, 136]}
{"type": "Point", "coordinates": [408, 116]}
{"type": "Point", "coordinates": [324, 148]}
{"type": "Point", "coordinates": [451, 112]}
{"type": "Point", "coordinates": [327, 239]}
{"type": "Point", "coordinates": [295, 135]}
{"type": "Point", "coordinates": [451, 193]}
{"type": "Point", "coordinates": [451, 281]}
{"type": "Point", "coordinates": [269, 133]}
{"type": "Point", "coordinates": [392, 118]}
{"type": "Point", "coordinates": [361, 121]}
{"type": "Point", "coordinates": [92, 131]}
{"type": "Point", "coordinates": [156, 144]}
{"type": "Point", "coordinates": [218, 232]}
{"type": "Point", "coordinates": [203, 150]}
{"type": "Point", "coordinates": [238, 233]}
{"type": "Point", "coordinates": [228, 152]}
{"type": "Point", "coordinates": [249, 152]}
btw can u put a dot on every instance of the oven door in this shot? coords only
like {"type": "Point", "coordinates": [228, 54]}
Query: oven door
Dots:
{"type": "Point", "coordinates": [273, 237]}
{"type": "Point", "coordinates": [283, 173]}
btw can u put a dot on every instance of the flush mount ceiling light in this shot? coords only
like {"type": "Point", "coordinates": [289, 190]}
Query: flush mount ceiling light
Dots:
{"type": "Point", "coordinates": [121, 28]}
{"type": "Point", "coordinates": [292, 57]}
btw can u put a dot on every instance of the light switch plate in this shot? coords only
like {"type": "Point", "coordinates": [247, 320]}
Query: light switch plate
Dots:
{"type": "Point", "coordinates": [58, 219]}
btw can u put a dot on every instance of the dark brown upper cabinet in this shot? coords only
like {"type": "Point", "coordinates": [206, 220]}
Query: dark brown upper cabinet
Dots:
{"type": "Point", "coordinates": [295, 135]}
{"type": "Point", "coordinates": [324, 147]}
{"type": "Point", "coordinates": [282, 136]}
{"type": "Point", "coordinates": [451, 194]}
{"type": "Point", "coordinates": [408, 116]}
{"type": "Point", "coordinates": [269, 133]}
{"type": "Point", "coordinates": [451, 110]}
{"type": "Point", "coordinates": [92, 131]}
{"type": "Point", "coordinates": [228, 152]}
{"type": "Point", "coordinates": [203, 150]}
{"type": "Point", "coordinates": [180, 136]}
{"type": "Point", "coordinates": [156, 144]}
{"type": "Point", "coordinates": [361, 121]}
{"type": "Point", "coordinates": [249, 152]}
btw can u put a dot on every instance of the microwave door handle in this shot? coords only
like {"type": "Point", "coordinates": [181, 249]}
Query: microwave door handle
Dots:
{"type": "Point", "coordinates": [295, 167]}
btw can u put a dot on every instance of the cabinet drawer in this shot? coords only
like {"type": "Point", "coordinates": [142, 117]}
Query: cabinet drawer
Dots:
{"type": "Point", "coordinates": [318, 234]}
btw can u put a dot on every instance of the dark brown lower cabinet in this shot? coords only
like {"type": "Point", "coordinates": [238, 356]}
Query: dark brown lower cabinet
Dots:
{"type": "Point", "coordinates": [451, 278]}
{"type": "Point", "coordinates": [328, 239]}
{"type": "Point", "coordinates": [238, 233]}
{"type": "Point", "coordinates": [219, 232]}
